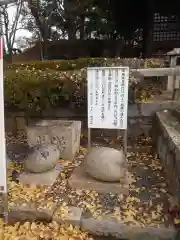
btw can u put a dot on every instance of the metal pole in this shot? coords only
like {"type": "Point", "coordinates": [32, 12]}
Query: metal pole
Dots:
{"type": "Point", "coordinates": [89, 139]}
{"type": "Point", "coordinates": [3, 159]}
{"type": "Point", "coordinates": [125, 142]}
{"type": "Point", "coordinates": [3, 164]}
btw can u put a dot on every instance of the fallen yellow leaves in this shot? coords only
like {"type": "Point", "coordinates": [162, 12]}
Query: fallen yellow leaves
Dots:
{"type": "Point", "coordinates": [62, 211]}
{"type": "Point", "coordinates": [20, 192]}
{"type": "Point", "coordinates": [130, 209]}
{"type": "Point", "coordinates": [36, 231]}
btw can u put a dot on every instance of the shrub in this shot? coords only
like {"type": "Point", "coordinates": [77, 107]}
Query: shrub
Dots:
{"type": "Point", "coordinates": [38, 86]}
{"type": "Point", "coordinates": [65, 65]}
{"type": "Point", "coordinates": [37, 90]}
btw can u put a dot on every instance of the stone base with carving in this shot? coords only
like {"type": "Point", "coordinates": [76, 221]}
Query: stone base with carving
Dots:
{"type": "Point", "coordinates": [41, 158]}
{"type": "Point", "coordinates": [41, 165]}
{"type": "Point", "coordinates": [62, 133]}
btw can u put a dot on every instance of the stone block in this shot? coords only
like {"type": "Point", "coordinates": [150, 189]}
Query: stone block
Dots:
{"type": "Point", "coordinates": [46, 209]}
{"type": "Point", "coordinates": [21, 123]}
{"type": "Point", "coordinates": [149, 108]}
{"type": "Point", "coordinates": [170, 160]}
{"type": "Point", "coordinates": [146, 236]}
{"type": "Point", "coordinates": [161, 149]}
{"type": "Point", "coordinates": [120, 230]}
{"type": "Point", "coordinates": [140, 149]}
{"type": "Point", "coordinates": [177, 159]}
{"type": "Point", "coordinates": [170, 172]}
{"type": "Point", "coordinates": [59, 132]}
{"type": "Point", "coordinates": [159, 145]}
{"type": "Point", "coordinates": [169, 131]}
{"type": "Point", "coordinates": [73, 216]}
{"type": "Point", "coordinates": [26, 211]}
{"type": "Point", "coordinates": [10, 124]}
{"type": "Point", "coordinates": [80, 180]}
{"type": "Point", "coordinates": [177, 182]}
{"type": "Point", "coordinates": [133, 111]}
{"type": "Point", "coordinates": [40, 179]}
{"type": "Point", "coordinates": [20, 211]}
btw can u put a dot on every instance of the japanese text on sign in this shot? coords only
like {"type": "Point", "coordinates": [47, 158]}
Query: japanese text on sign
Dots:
{"type": "Point", "coordinates": [108, 97]}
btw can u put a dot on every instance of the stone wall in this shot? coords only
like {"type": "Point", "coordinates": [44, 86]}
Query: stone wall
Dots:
{"type": "Point", "coordinates": [139, 117]}
{"type": "Point", "coordinates": [167, 142]}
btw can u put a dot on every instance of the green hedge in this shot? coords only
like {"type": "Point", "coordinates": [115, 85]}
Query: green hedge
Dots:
{"type": "Point", "coordinates": [65, 65]}
{"type": "Point", "coordinates": [39, 86]}
{"type": "Point", "coordinates": [38, 90]}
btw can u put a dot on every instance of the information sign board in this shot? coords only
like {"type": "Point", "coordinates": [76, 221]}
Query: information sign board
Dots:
{"type": "Point", "coordinates": [108, 97]}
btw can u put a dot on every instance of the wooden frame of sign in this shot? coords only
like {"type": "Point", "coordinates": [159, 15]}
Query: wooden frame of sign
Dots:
{"type": "Point", "coordinates": [108, 100]}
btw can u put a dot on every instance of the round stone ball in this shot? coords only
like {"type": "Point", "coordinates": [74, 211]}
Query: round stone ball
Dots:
{"type": "Point", "coordinates": [41, 158]}
{"type": "Point", "coordinates": [105, 164]}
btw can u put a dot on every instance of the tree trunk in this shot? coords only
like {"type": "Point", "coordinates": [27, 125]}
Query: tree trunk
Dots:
{"type": "Point", "coordinates": [34, 8]}
{"type": "Point", "coordinates": [82, 28]}
{"type": "Point", "coordinates": [71, 31]}
{"type": "Point", "coordinates": [148, 30]}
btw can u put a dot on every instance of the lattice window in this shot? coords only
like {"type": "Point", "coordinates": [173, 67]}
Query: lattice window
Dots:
{"type": "Point", "coordinates": [166, 28]}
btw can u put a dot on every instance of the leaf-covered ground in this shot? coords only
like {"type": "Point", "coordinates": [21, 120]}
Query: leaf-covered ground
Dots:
{"type": "Point", "coordinates": [36, 231]}
{"type": "Point", "coordinates": [146, 205]}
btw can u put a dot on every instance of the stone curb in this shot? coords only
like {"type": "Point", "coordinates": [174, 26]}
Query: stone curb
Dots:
{"type": "Point", "coordinates": [120, 230]}
{"type": "Point", "coordinates": [73, 217]}
{"type": "Point", "coordinates": [31, 212]}
{"type": "Point", "coordinates": [168, 150]}
{"type": "Point", "coordinates": [115, 228]}
{"type": "Point", "coordinates": [101, 227]}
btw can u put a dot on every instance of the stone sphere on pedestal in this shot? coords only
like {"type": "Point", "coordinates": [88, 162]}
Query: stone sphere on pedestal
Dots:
{"type": "Point", "coordinates": [105, 164]}
{"type": "Point", "coordinates": [41, 158]}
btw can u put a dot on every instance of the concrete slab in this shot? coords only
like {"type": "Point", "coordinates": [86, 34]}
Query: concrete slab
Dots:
{"type": "Point", "coordinates": [40, 179]}
{"type": "Point", "coordinates": [73, 215]}
{"type": "Point", "coordinates": [80, 180]}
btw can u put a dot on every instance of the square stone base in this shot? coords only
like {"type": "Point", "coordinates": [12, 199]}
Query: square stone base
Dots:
{"type": "Point", "coordinates": [49, 130]}
{"type": "Point", "coordinates": [80, 180]}
{"type": "Point", "coordinates": [40, 179]}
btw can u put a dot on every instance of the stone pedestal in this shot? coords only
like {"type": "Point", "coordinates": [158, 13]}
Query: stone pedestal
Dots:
{"type": "Point", "coordinates": [80, 180]}
{"type": "Point", "coordinates": [40, 179]}
{"type": "Point", "coordinates": [64, 134]}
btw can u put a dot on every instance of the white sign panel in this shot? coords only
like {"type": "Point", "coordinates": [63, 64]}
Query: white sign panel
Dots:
{"type": "Point", "coordinates": [108, 97]}
{"type": "Point", "coordinates": [3, 163]}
